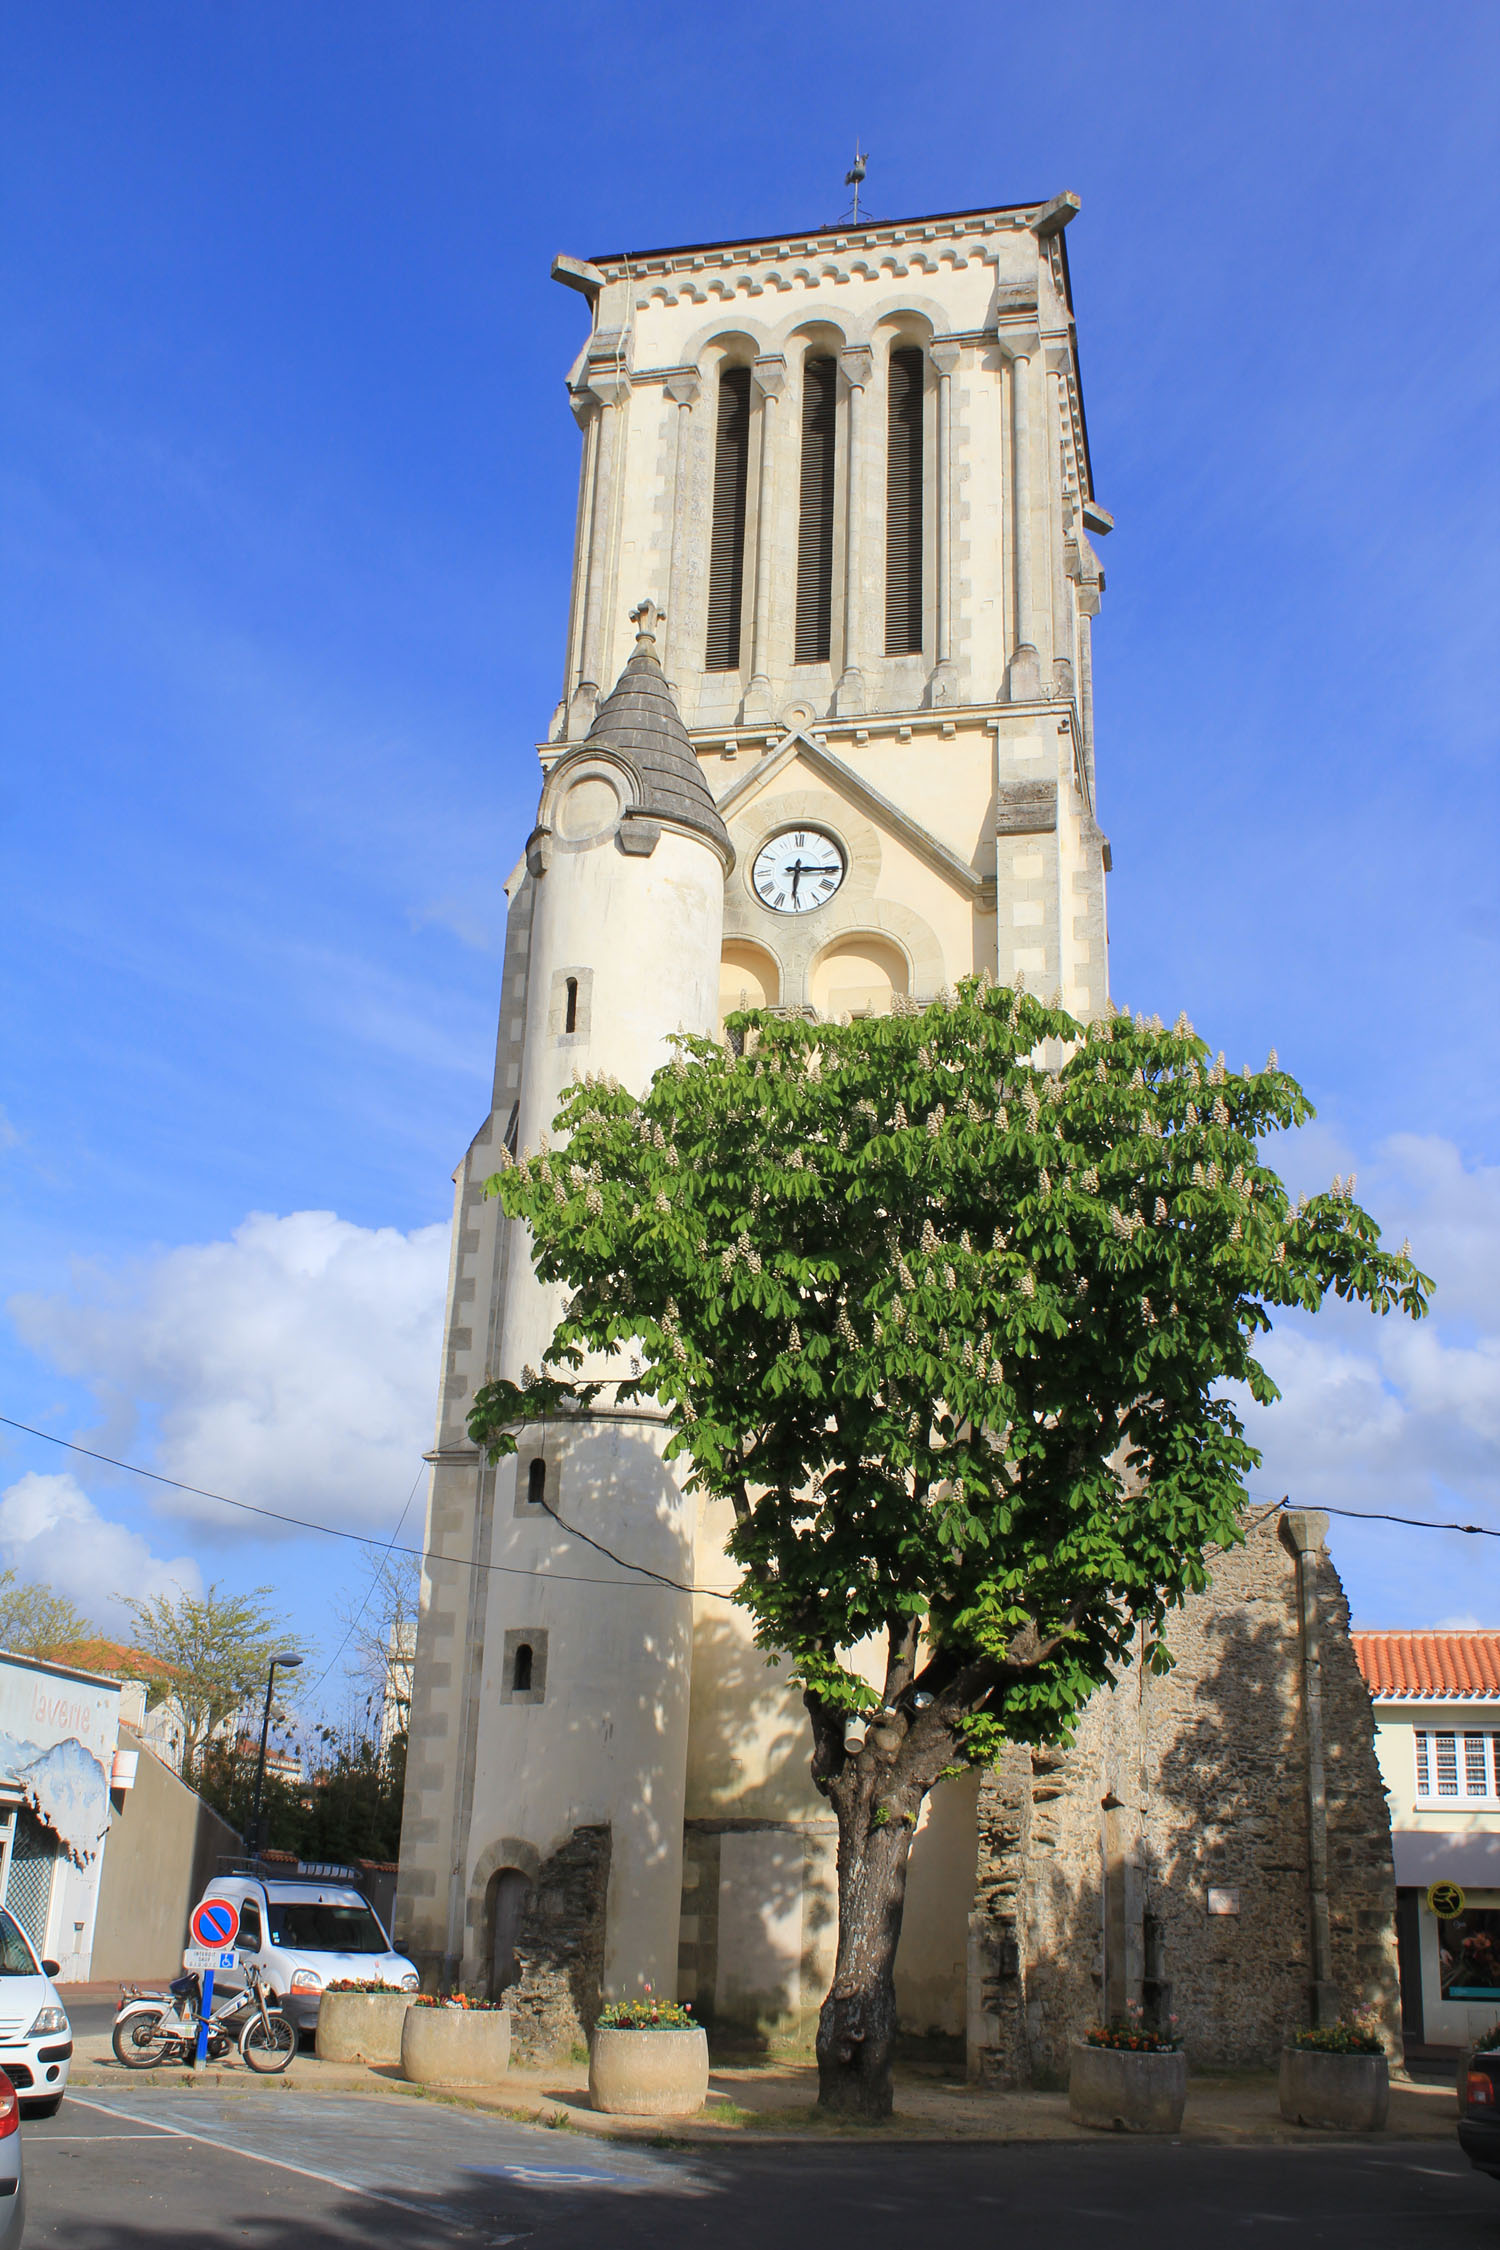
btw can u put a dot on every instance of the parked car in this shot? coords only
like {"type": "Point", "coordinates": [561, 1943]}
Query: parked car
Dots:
{"type": "Point", "coordinates": [12, 2181]}
{"type": "Point", "coordinates": [305, 1932]}
{"type": "Point", "coordinates": [1479, 2109]}
{"type": "Point", "coordinates": [36, 2039]}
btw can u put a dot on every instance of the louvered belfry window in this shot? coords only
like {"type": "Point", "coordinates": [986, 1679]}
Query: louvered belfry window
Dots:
{"type": "Point", "coordinates": [726, 562]}
{"type": "Point", "coordinates": [903, 503]}
{"type": "Point", "coordinates": [815, 517]}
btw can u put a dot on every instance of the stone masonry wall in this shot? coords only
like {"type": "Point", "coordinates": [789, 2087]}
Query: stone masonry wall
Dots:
{"type": "Point", "coordinates": [560, 1951]}
{"type": "Point", "coordinates": [1096, 1862]}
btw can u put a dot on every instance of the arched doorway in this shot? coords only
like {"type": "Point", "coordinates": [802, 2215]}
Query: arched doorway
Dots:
{"type": "Point", "coordinates": [507, 1895]}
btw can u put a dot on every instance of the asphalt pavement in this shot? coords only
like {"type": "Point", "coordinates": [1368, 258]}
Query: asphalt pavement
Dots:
{"type": "Point", "coordinates": [304, 2171]}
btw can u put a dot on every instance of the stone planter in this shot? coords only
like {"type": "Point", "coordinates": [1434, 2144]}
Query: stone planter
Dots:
{"type": "Point", "coordinates": [361, 2027]}
{"type": "Point", "coordinates": [648, 2073]}
{"type": "Point", "coordinates": [455, 2046]}
{"type": "Point", "coordinates": [1124, 2092]}
{"type": "Point", "coordinates": [1342, 2093]}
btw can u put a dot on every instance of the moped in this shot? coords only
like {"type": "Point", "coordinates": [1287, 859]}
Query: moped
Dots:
{"type": "Point", "coordinates": [162, 2027]}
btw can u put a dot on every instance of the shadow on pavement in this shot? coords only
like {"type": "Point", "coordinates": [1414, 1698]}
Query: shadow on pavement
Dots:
{"type": "Point", "coordinates": [1411, 2198]}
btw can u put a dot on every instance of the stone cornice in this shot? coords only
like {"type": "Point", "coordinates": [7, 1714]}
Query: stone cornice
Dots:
{"type": "Point", "coordinates": [707, 257]}
{"type": "Point", "coordinates": [945, 720]}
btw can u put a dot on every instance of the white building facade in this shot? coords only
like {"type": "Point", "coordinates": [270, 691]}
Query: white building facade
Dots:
{"type": "Point", "coordinates": [1437, 1736]}
{"type": "Point", "coordinates": [59, 1738]}
{"type": "Point", "coordinates": [841, 481]}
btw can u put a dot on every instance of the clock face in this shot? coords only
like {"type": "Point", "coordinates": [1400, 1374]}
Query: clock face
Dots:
{"type": "Point", "coordinates": [797, 870]}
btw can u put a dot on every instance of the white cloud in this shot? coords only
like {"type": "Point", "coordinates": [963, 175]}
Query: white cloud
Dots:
{"type": "Point", "coordinates": [52, 1534]}
{"type": "Point", "coordinates": [294, 1366]}
{"type": "Point", "coordinates": [1387, 1415]}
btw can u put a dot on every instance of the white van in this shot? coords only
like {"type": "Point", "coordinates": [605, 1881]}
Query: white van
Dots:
{"type": "Point", "coordinates": [305, 1932]}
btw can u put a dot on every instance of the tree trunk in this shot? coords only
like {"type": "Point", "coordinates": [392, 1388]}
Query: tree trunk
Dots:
{"type": "Point", "coordinates": [857, 2025]}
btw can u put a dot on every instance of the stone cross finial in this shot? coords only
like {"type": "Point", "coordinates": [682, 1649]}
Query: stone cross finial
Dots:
{"type": "Point", "coordinates": [645, 618]}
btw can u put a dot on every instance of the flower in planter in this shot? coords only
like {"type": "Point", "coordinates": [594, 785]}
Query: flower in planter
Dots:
{"type": "Point", "coordinates": [1356, 2034]}
{"type": "Point", "coordinates": [465, 2001]}
{"type": "Point", "coordinates": [1134, 2035]}
{"type": "Point", "coordinates": [647, 2014]}
{"type": "Point", "coordinates": [363, 1984]}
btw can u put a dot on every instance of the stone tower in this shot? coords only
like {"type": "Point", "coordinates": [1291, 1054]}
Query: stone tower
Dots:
{"type": "Point", "coordinates": [855, 761]}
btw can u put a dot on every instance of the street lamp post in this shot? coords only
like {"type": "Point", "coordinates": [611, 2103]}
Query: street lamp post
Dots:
{"type": "Point", "coordinates": [288, 1663]}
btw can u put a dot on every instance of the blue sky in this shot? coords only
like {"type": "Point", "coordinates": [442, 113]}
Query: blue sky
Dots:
{"type": "Point", "coordinates": [287, 510]}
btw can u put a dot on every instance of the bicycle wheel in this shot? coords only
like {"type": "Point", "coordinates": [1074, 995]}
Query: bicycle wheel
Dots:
{"type": "Point", "coordinates": [268, 2047]}
{"type": "Point", "coordinates": [139, 2041]}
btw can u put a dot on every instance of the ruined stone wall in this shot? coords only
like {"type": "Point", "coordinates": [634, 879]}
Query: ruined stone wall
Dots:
{"type": "Point", "coordinates": [560, 1951]}
{"type": "Point", "coordinates": [1096, 1863]}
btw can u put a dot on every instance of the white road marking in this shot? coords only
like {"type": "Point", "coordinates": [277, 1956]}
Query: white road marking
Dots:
{"type": "Point", "coordinates": [253, 2156]}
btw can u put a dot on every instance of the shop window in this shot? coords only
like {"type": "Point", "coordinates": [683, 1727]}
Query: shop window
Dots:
{"type": "Point", "coordinates": [1455, 1765]}
{"type": "Point", "coordinates": [1469, 1954]}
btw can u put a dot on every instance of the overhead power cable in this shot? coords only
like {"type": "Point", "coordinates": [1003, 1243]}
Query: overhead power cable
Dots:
{"type": "Point", "coordinates": [1418, 1523]}
{"type": "Point", "coordinates": [387, 1551]}
{"type": "Point", "coordinates": [573, 1578]}
{"type": "Point", "coordinates": [364, 1539]}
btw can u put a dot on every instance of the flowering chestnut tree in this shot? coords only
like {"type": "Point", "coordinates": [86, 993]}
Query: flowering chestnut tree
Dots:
{"type": "Point", "coordinates": [945, 1303]}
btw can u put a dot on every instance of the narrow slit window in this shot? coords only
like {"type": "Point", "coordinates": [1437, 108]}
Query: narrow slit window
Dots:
{"type": "Point", "coordinates": [571, 1023]}
{"type": "Point", "coordinates": [815, 519]}
{"type": "Point", "coordinates": [536, 1483]}
{"type": "Point", "coordinates": [903, 503]}
{"type": "Point", "coordinates": [1424, 1765]}
{"type": "Point", "coordinates": [1447, 1765]}
{"type": "Point", "coordinates": [726, 561]}
{"type": "Point", "coordinates": [1476, 1766]}
{"type": "Point", "coordinates": [520, 1670]}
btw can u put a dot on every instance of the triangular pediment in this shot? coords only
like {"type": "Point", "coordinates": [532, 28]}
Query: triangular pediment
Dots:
{"type": "Point", "coordinates": [799, 748]}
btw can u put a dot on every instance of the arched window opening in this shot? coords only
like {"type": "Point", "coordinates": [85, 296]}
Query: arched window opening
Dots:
{"type": "Point", "coordinates": [536, 1483]}
{"type": "Point", "coordinates": [520, 1670]}
{"type": "Point", "coordinates": [815, 521]}
{"type": "Point", "coordinates": [726, 561]}
{"type": "Point", "coordinates": [571, 1024]}
{"type": "Point", "coordinates": [903, 503]}
{"type": "Point", "coordinates": [860, 975]}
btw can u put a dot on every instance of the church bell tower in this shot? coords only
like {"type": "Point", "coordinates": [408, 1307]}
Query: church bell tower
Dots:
{"type": "Point", "coordinates": [840, 484]}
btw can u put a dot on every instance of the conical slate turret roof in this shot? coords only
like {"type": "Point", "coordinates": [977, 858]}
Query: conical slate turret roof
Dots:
{"type": "Point", "coordinates": [640, 723]}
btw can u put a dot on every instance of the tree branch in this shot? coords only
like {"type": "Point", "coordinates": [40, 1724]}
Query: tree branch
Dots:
{"type": "Point", "coordinates": [901, 1665]}
{"type": "Point", "coordinates": [828, 1759]}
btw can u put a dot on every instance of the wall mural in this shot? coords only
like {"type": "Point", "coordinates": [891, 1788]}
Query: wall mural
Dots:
{"type": "Point", "coordinates": [57, 1744]}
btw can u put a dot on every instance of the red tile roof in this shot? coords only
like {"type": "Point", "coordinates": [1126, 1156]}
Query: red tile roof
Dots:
{"type": "Point", "coordinates": [1462, 1666]}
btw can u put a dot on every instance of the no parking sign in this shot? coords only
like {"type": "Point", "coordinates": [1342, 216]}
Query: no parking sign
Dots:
{"type": "Point", "coordinates": [215, 1925]}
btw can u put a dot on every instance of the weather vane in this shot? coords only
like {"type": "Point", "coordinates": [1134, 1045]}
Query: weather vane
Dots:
{"type": "Point", "coordinates": [855, 177]}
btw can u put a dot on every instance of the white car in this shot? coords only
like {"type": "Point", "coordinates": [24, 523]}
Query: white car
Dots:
{"type": "Point", "coordinates": [36, 2038]}
{"type": "Point", "coordinates": [12, 2181]}
{"type": "Point", "coordinates": [305, 1932]}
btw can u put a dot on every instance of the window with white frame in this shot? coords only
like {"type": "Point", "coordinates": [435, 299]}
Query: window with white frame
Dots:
{"type": "Point", "coordinates": [1458, 1765]}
